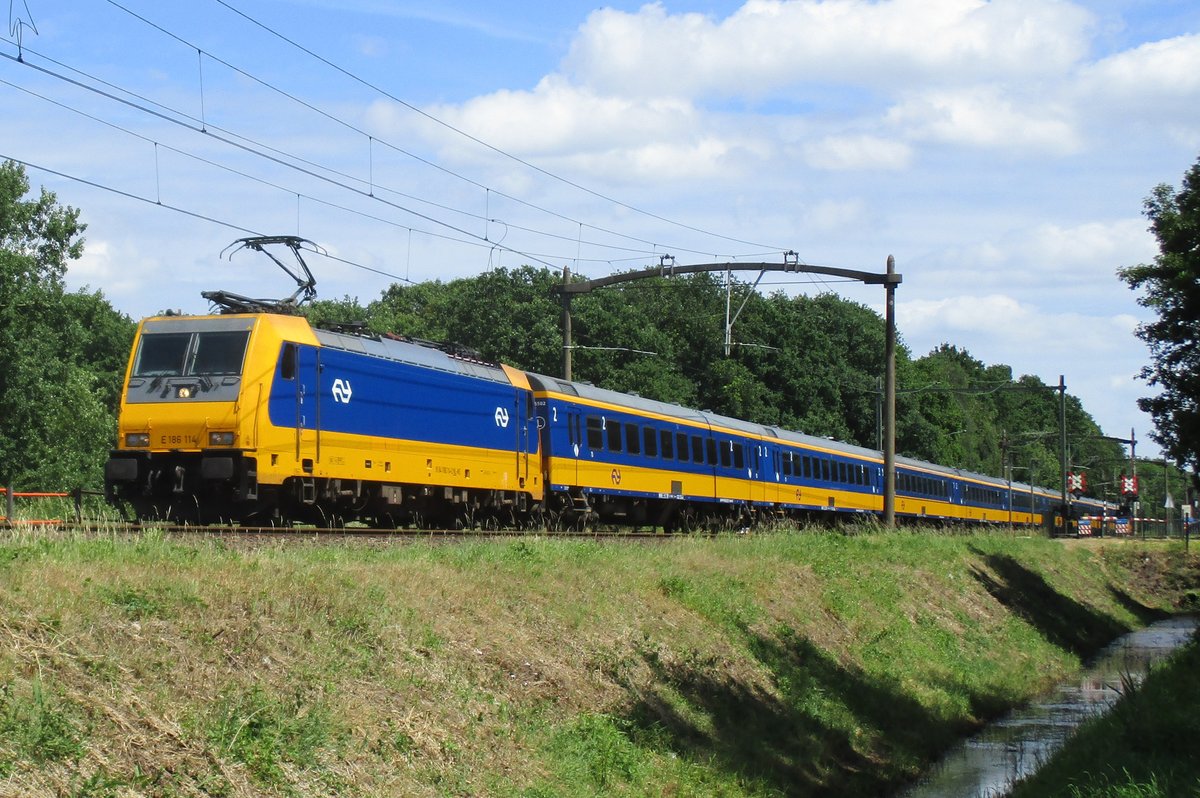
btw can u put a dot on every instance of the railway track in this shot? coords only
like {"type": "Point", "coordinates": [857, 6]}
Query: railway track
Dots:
{"type": "Point", "coordinates": [248, 534]}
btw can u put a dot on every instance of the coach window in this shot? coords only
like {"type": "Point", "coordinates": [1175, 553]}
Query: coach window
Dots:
{"type": "Point", "coordinates": [614, 436]}
{"type": "Point", "coordinates": [633, 439]}
{"type": "Point", "coordinates": [739, 456]}
{"type": "Point", "coordinates": [726, 454]}
{"type": "Point", "coordinates": [806, 462]}
{"type": "Point", "coordinates": [667, 439]}
{"type": "Point", "coordinates": [787, 464]}
{"type": "Point", "coordinates": [711, 449]}
{"type": "Point", "coordinates": [841, 467]}
{"type": "Point", "coordinates": [650, 441]}
{"type": "Point", "coordinates": [827, 471]}
{"type": "Point", "coordinates": [697, 449]}
{"type": "Point", "coordinates": [595, 433]}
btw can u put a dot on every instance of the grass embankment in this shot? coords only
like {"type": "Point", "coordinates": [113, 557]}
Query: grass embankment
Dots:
{"type": "Point", "coordinates": [1144, 748]}
{"type": "Point", "coordinates": [780, 664]}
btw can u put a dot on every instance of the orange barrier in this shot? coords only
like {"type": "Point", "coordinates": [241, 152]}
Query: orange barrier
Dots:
{"type": "Point", "coordinates": [10, 495]}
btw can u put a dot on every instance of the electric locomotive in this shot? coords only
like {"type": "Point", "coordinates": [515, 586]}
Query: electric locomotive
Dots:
{"type": "Point", "coordinates": [256, 417]}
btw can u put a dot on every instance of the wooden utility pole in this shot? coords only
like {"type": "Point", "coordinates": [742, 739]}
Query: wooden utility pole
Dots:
{"type": "Point", "coordinates": [889, 399]}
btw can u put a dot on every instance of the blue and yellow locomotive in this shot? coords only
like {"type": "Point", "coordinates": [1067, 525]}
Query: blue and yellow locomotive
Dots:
{"type": "Point", "coordinates": [255, 416]}
{"type": "Point", "coordinates": [260, 417]}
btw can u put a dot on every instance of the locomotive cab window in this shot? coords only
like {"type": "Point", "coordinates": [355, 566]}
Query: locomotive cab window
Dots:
{"type": "Point", "coordinates": [218, 353]}
{"type": "Point", "coordinates": [186, 354]}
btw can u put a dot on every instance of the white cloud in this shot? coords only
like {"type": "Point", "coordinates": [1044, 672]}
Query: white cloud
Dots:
{"type": "Point", "coordinates": [1082, 258]}
{"type": "Point", "coordinates": [986, 117]}
{"type": "Point", "coordinates": [1168, 67]}
{"type": "Point", "coordinates": [1003, 322]}
{"type": "Point", "coordinates": [575, 130]}
{"type": "Point", "coordinates": [858, 152]}
{"type": "Point", "coordinates": [770, 45]}
{"type": "Point", "coordinates": [1155, 85]}
{"type": "Point", "coordinates": [557, 115]}
{"type": "Point", "coordinates": [834, 216]}
{"type": "Point", "coordinates": [1096, 353]}
{"type": "Point", "coordinates": [95, 267]}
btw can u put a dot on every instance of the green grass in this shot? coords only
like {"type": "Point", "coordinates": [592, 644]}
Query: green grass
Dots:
{"type": "Point", "coordinates": [35, 726]}
{"type": "Point", "coordinates": [265, 731]}
{"type": "Point", "coordinates": [798, 663]}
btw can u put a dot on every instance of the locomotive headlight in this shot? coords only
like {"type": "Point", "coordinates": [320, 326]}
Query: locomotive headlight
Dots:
{"type": "Point", "coordinates": [184, 392]}
{"type": "Point", "coordinates": [220, 439]}
{"type": "Point", "coordinates": [137, 439]}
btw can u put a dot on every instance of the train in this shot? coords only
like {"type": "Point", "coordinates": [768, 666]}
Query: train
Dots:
{"type": "Point", "coordinates": [254, 416]}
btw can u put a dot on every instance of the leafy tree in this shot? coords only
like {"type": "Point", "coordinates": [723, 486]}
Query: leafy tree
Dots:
{"type": "Point", "coordinates": [63, 354]}
{"type": "Point", "coordinates": [1171, 288]}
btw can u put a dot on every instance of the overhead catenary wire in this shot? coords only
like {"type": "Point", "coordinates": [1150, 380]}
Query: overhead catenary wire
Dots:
{"type": "Point", "coordinates": [280, 159]}
{"type": "Point", "coordinates": [373, 139]}
{"type": "Point", "coordinates": [458, 131]}
{"type": "Point", "coordinates": [193, 214]}
{"type": "Point", "coordinates": [262, 181]}
{"type": "Point", "coordinates": [290, 160]}
{"type": "Point", "coordinates": [308, 167]}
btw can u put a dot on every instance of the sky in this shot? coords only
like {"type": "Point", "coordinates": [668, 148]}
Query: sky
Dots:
{"type": "Point", "coordinates": [1000, 151]}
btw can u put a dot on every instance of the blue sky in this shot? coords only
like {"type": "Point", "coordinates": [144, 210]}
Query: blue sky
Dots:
{"type": "Point", "coordinates": [1000, 151]}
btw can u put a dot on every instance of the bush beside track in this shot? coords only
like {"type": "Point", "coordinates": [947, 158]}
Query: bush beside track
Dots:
{"type": "Point", "coordinates": [792, 663]}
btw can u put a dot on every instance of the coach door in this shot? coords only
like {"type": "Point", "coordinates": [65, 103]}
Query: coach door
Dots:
{"type": "Point", "coordinates": [300, 367]}
{"type": "Point", "coordinates": [576, 446]}
{"type": "Point", "coordinates": [524, 417]}
{"type": "Point", "coordinates": [759, 462]}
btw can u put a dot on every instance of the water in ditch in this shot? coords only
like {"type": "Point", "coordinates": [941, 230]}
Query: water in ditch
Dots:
{"type": "Point", "coordinates": [987, 764]}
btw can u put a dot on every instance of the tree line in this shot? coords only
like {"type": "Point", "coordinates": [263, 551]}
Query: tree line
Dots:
{"type": "Point", "coordinates": [807, 363]}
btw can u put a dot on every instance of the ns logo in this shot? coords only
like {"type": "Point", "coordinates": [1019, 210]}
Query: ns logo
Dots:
{"type": "Point", "coordinates": [341, 391]}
